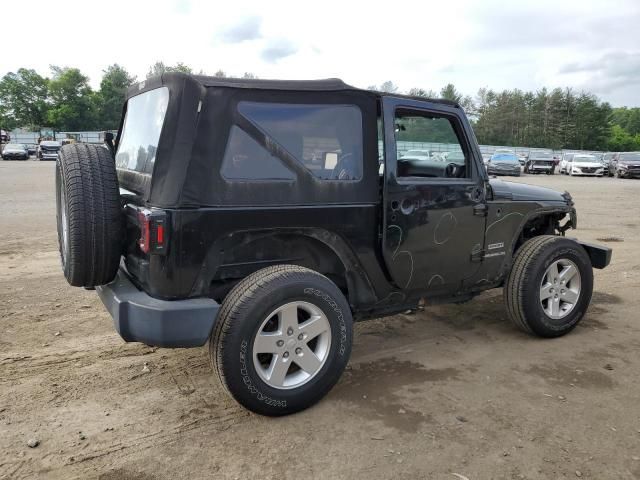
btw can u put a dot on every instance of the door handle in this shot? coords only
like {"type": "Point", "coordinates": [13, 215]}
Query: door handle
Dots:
{"type": "Point", "coordinates": [480, 209]}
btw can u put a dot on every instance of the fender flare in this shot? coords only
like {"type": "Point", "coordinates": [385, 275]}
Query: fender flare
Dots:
{"type": "Point", "coordinates": [359, 285]}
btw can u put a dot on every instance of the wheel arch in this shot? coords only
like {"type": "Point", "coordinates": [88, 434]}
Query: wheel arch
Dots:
{"type": "Point", "coordinates": [238, 255]}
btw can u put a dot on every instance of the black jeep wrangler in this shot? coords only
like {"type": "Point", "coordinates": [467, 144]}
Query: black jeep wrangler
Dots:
{"type": "Point", "coordinates": [267, 216]}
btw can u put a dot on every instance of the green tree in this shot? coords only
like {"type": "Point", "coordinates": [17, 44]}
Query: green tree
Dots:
{"type": "Point", "coordinates": [112, 95]}
{"type": "Point", "coordinates": [621, 140]}
{"type": "Point", "coordinates": [421, 92]}
{"type": "Point", "coordinates": [449, 92]}
{"type": "Point", "coordinates": [159, 68]}
{"type": "Point", "coordinates": [23, 99]}
{"type": "Point", "coordinates": [73, 103]}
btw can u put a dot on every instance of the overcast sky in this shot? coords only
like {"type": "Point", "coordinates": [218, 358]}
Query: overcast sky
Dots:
{"type": "Point", "coordinates": [583, 44]}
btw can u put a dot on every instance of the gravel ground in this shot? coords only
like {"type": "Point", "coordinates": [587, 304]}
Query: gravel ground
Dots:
{"type": "Point", "coordinates": [451, 392]}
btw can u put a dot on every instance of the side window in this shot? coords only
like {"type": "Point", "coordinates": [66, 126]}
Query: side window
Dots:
{"type": "Point", "coordinates": [246, 159]}
{"type": "Point", "coordinates": [427, 145]}
{"type": "Point", "coordinates": [326, 139]}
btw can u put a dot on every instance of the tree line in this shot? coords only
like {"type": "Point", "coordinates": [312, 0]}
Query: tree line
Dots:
{"type": "Point", "coordinates": [65, 101]}
{"type": "Point", "coordinates": [557, 118]}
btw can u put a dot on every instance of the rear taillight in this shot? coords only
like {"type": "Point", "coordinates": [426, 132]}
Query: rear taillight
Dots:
{"type": "Point", "coordinates": [153, 232]}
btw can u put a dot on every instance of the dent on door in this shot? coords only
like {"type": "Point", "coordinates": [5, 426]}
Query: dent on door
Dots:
{"type": "Point", "coordinates": [432, 235]}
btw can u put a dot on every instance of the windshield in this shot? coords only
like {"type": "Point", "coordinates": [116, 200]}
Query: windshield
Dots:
{"type": "Point", "coordinates": [584, 158]}
{"type": "Point", "coordinates": [14, 146]}
{"type": "Point", "coordinates": [49, 144]}
{"type": "Point", "coordinates": [630, 157]}
{"type": "Point", "coordinates": [504, 157]}
{"type": "Point", "coordinates": [542, 155]}
{"type": "Point", "coordinates": [141, 130]}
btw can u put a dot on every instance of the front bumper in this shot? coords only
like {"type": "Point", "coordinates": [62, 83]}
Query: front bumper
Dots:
{"type": "Point", "coordinates": [139, 317]}
{"type": "Point", "coordinates": [497, 171]}
{"type": "Point", "coordinates": [600, 256]}
{"type": "Point", "coordinates": [541, 168]}
{"type": "Point", "coordinates": [630, 173]}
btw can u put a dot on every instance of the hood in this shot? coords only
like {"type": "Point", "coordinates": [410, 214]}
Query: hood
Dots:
{"type": "Point", "coordinates": [593, 164]}
{"type": "Point", "coordinates": [498, 163]}
{"type": "Point", "coordinates": [14, 150]}
{"type": "Point", "coordinates": [521, 192]}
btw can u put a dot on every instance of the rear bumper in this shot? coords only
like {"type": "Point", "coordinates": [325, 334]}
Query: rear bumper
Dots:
{"type": "Point", "coordinates": [140, 318]}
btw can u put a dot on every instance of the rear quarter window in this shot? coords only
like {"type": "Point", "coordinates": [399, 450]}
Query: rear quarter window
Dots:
{"type": "Point", "coordinates": [141, 131]}
{"type": "Point", "coordinates": [325, 139]}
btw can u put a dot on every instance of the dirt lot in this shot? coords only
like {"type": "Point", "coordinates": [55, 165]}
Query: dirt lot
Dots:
{"type": "Point", "coordinates": [452, 392]}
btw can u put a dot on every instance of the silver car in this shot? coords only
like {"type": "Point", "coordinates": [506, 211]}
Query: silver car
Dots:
{"type": "Point", "coordinates": [48, 150]}
{"type": "Point", "coordinates": [15, 151]}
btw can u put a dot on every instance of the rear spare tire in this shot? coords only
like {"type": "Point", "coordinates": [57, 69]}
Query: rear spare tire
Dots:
{"type": "Point", "coordinates": [88, 214]}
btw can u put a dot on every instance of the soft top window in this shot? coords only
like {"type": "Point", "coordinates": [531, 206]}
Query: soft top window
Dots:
{"type": "Point", "coordinates": [141, 131]}
{"type": "Point", "coordinates": [326, 139]}
{"type": "Point", "coordinates": [246, 159]}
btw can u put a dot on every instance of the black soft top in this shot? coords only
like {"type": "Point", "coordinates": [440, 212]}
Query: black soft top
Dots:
{"type": "Point", "coordinates": [200, 114]}
{"type": "Point", "coordinates": [320, 85]}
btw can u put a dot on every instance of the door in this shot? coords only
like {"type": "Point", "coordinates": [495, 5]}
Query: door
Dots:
{"type": "Point", "coordinates": [434, 197]}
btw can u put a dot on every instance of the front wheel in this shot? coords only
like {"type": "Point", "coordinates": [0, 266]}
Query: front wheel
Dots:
{"type": "Point", "coordinates": [282, 339]}
{"type": "Point", "coordinates": [549, 287]}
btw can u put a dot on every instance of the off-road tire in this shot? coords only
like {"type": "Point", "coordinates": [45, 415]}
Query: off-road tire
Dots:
{"type": "Point", "coordinates": [242, 313]}
{"type": "Point", "coordinates": [522, 288]}
{"type": "Point", "coordinates": [87, 184]}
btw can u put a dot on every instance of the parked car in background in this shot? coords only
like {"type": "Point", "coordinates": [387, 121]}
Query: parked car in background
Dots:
{"type": "Point", "coordinates": [15, 151]}
{"type": "Point", "coordinates": [453, 157]}
{"type": "Point", "coordinates": [417, 154]}
{"type": "Point", "coordinates": [503, 150]}
{"type": "Point", "coordinates": [522, 158]}
{"type": "Point", "coordinates": [598, 157]}
{"type": "Point", "coordinates": [32, 149]}
{"type": "Point", "coordinates": [606, 159]}
{"type": "Point", "coordinates": [504, 164]}
{"type": "Point", "coordinates": [584, 165]}
{"type": "Point", "coordinates": [48, 150]}
{"type": "Point", "coordinates": [540, 162]}
{"type": "Point", "coordinates": [564, 161]}
{"type": "Point", "coordinates": [625, 165]}
{"type": "Point", "coordinates": [4, 136]}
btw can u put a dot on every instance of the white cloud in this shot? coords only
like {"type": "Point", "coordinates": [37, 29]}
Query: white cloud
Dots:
{"type": "Point", "coordinates": [469, 43]}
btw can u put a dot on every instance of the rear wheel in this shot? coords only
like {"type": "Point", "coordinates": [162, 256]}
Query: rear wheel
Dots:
{"type": "Point", "coordinates": [88, 215]}
{"type": "Point", "coordinates": [282, 339]}
{"type": "Point", "coordinates": [549, 287]}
